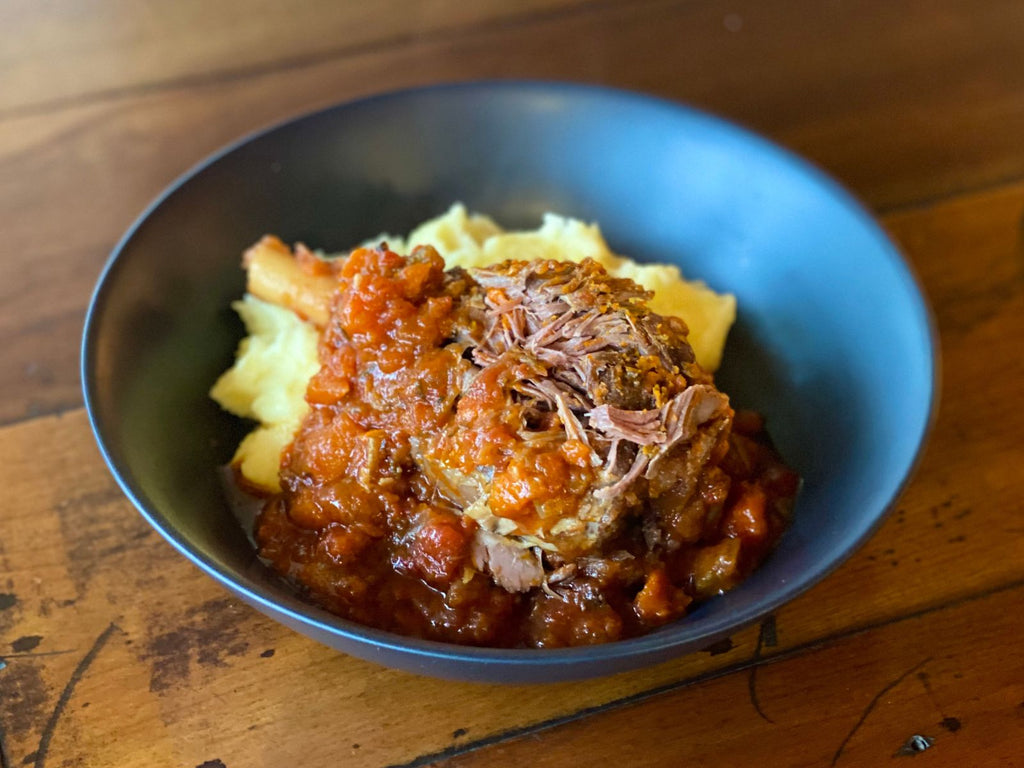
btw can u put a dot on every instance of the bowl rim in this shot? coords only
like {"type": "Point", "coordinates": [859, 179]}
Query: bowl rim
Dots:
{"type": "Point", "coordinates": [676, 638]}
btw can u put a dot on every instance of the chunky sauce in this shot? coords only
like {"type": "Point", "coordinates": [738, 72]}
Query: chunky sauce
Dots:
{"type": "Point", "coordinates": [371, 534]}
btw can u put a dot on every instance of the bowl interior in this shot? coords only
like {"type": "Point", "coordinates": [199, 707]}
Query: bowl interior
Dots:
{"type": "Point", "coordinates": [833, 342]}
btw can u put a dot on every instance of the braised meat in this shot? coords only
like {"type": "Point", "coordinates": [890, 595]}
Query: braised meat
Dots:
{"type": "Point", "coordinates": [518, 455]}
{"type": "Point", "coordinates": [578, 360]}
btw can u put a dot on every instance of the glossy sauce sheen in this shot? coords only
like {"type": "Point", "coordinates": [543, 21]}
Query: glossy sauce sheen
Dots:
{"type": "Point", "coordinates": [366, 533]}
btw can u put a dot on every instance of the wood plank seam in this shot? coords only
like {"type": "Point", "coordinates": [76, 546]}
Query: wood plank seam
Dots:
{"type": "Point", "coordinates": [337, 54]}
{"type": "Point", "coordinates": [64, 409]}
{"type": "Point", "coordinates": [751, 664]}
{"type": "Point", "coordinates": [1003, 183]}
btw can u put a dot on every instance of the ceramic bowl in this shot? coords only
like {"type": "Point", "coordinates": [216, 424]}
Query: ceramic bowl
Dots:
{"type": "Point", "coordinates": [833, 341]}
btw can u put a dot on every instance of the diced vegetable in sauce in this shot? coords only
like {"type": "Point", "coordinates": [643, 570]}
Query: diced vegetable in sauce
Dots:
{"type": "Point", "coordinates": [520, 455]}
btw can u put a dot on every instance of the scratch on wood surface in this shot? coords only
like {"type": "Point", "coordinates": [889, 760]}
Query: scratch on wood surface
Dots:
{"type": "Point", "coordinates": [951, 724]}
{"type": "Point", "coordinates": [69, 689]}
{"type": "Point", "coordinates": [766, 637]}
{"type": "Point", "coordinates": [32, 655]}
{"type": "Point", "coordinates": [927, 685]}
{"type": "Point", "coordinates": [873, 703]}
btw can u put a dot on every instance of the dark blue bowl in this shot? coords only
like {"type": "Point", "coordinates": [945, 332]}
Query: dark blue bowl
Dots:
{"type": "Point", "coordinates": [833, 344]}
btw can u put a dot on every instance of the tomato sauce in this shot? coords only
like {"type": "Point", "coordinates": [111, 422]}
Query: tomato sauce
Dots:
{"type": "Point", "coordinates": [371, 535]}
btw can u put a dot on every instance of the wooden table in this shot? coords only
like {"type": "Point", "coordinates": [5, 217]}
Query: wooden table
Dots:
{"type": "Point", "coordinates": [117, 652]}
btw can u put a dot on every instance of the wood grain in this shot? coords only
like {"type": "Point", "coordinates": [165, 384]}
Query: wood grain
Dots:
{"type": "Point", "coordinates": [115, 651]}
{"type": "Point", "coordinates": [903, 102]}
{"type": "Point", "coordinates": [75, 51]}
{"type": "Point", "coordinates": [119, 652]}
{"type": "Point", "coordinates": [897, 682]}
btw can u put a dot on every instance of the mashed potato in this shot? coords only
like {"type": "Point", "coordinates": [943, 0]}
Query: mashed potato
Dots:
{"type": "Point", "coordinates": [277, 359]}
{"type": "Point", "coordinates": [267, 383]}
{"type": "Point", "coordinates": [476, 241]}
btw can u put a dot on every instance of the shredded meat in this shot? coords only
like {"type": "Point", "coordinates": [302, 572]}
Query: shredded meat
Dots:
{"type": "Point", "coordinates": [518, 455]}
{"type": "Point", "coordinates": [621, 380]}
{"type": "Point", "coordinates": [512, 567]}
